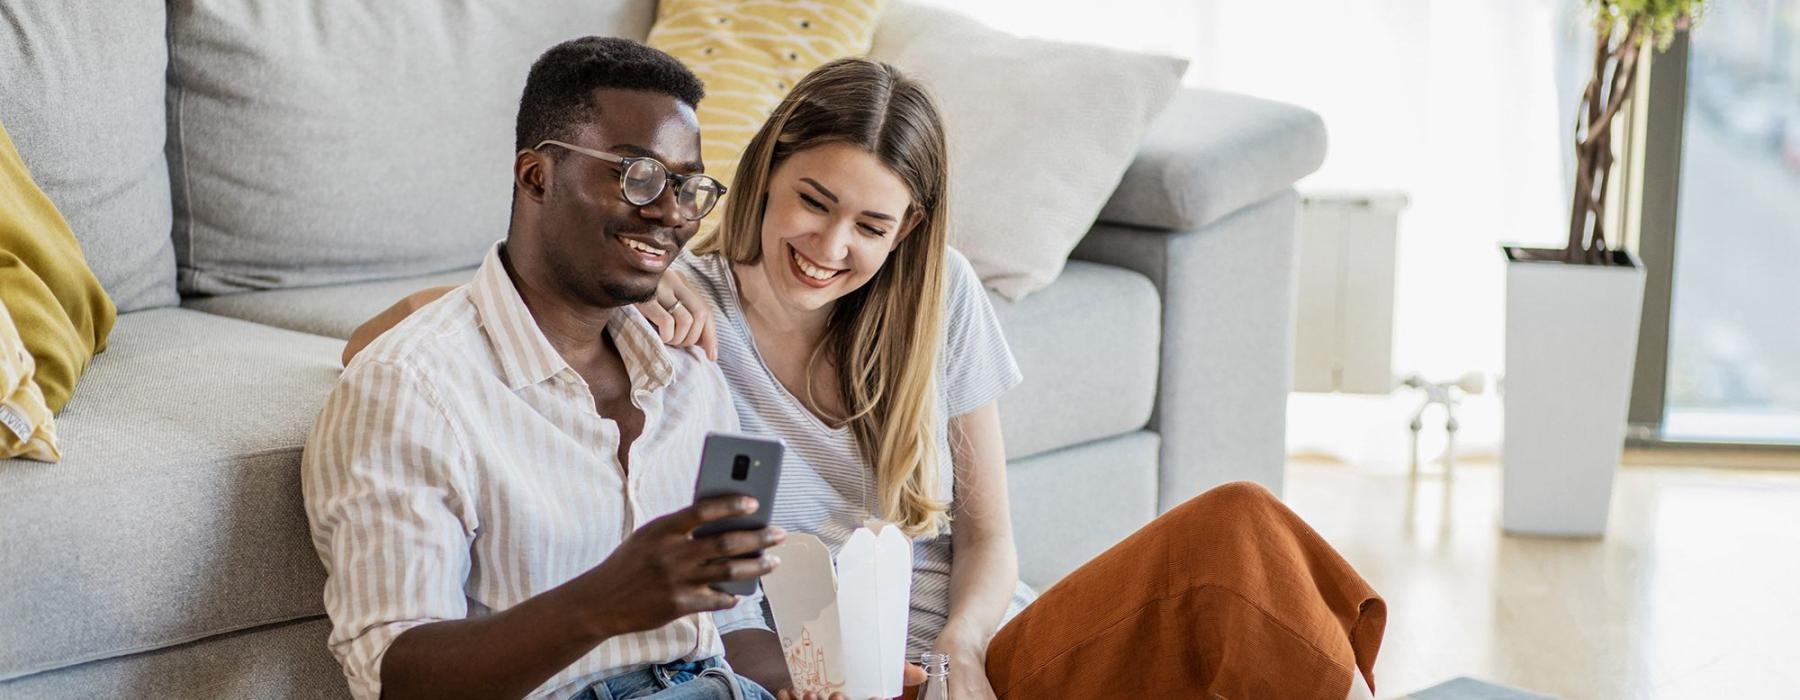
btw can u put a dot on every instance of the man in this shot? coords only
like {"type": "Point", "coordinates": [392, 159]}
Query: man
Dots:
{"type": "Point", "coordinates": [499, 486]}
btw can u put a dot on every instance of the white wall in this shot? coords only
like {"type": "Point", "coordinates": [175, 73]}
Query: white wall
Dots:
{"type": "Point", "coordinates": [1453, 102]}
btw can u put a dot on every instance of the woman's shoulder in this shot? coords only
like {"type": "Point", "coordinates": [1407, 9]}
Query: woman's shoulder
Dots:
{"type": "Point", "coordinates": [707, 273]}
{"type": "Point", "coordinates": [967, 310]}
{"type": "Point", "coordinates": [976, 363]}
{"type": "Point", "coordinates": [700, 266]}
{"type": "Point", "coordinates": [960, 279]}
{"type": "Point", "coordinates": [957, 266]}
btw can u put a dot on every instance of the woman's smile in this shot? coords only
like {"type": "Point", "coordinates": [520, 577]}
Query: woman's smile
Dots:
{"type": "Point", "coordinates": [811, 273]}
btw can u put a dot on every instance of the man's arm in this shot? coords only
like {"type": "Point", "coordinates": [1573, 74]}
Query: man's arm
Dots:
{"type": "Point", "coordinates": [659, 574]}
{"type": "Point", "coordinates": [382, 478]}
{"type": "Point", "coordinates": [502, 655]}
{"type": "Point", "coordinates": [689, 324]}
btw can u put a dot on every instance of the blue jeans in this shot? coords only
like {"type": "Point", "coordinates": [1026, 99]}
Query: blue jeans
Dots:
{"type": "Point", "coordinates": [706, 679]}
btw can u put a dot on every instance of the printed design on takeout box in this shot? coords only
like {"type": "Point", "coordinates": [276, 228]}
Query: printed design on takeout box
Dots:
{"type": "Point", "coordinates": [806, 663]}
{"type": "Point", "coordinates": [842, 620]}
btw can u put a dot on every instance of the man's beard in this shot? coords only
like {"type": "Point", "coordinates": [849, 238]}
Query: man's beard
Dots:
{"type": "Point", "coordinates": [626, 293]}
{"type": "Point", "coordinates": [586, 284]}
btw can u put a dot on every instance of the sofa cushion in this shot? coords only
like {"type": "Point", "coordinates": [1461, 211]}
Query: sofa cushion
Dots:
{"type": "Point", "coordinates": [1087, 346]}
{"type": "Point", "coordinates": [175, 513]}
{"type": "Point", "coordinates": [81, 90]}
{"type": "Point", "coordinates": [324, 143]}
{"type": "Point", "coordinates": [1213, 153]}
{"type": "Point", "coordinates": [328, 311]}
{"type": "Point", "coordinates": [1038, 133]}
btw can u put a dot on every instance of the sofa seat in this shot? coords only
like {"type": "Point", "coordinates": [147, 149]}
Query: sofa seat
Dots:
{"type": "Point", "coordinates": [285, 660]}
{"type": "Point", "coordinates": [332, 311]}
{"type": "Point", "coordinates": [1073, 503]}
{"type": "Point", "coordinates": [176, 512]}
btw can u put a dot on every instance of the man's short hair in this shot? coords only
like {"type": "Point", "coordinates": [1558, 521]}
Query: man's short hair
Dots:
{"type": "Point", "coordinates": [559, 90]}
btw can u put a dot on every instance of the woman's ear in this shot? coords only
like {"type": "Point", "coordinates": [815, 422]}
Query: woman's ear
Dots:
{"type": "Point", "coordinates": [914, 216]}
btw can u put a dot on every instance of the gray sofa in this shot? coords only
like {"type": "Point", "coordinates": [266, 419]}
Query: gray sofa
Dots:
{"type": "Point", "coordinates": [210, 145]}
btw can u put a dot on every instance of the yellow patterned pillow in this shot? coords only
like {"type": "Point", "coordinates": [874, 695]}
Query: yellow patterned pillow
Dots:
{"type": "Point", "coordinates": [750, 53]}
{"type": "Point", "coordinates": [26, 428]}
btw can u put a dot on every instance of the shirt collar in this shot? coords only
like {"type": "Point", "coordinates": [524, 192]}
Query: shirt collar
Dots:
{"type": "Point", "coordinates": [647, 359]}
{"type": "Point", "coordinates": [525, 353]}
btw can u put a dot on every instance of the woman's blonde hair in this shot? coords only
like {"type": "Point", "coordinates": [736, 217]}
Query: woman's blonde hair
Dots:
{"type": "Point", "coordinates": [883, 338]}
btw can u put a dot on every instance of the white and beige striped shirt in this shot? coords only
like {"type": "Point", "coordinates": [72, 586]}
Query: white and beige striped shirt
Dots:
{"type": "Point", "coordinates": [460, 468]}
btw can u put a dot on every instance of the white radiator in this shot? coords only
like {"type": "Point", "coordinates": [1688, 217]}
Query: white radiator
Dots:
{"type": "Point", "coordinates": [1344, 326]}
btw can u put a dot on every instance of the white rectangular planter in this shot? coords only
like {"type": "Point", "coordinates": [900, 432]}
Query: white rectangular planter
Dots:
{"type": "Point", "coordinates": [1571, 340]}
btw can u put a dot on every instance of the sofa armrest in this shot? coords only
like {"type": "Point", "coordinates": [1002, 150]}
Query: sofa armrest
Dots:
{"type": "Point", "coordinates": [1225, 365]}
{"type": "Point", "coordinates": [1212, 153]}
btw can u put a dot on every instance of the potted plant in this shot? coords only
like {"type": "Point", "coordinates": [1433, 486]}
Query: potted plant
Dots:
{"type": "Point", "coordinates": [1572, 312]}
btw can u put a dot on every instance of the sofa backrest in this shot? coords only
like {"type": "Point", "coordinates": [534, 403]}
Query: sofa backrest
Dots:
{"type": "Point", "coordinates": [322, 143]}
{"type": "Point", "coordinates": [81, 94]}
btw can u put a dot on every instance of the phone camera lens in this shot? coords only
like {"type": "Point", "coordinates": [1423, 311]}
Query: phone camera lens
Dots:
{"type": "Point", "coordinates": [740, 468]}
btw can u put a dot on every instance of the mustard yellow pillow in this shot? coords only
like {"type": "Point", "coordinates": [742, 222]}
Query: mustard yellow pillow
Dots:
{"type": "Point", "coordinates": [60, 313]}
{"type": "Point", "coordinates": [26, 428]}
{"type": "Point", "coordinates": [750, 53]}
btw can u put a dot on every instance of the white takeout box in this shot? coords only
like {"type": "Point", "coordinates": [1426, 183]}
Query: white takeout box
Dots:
{"type": "Point", "coordinates": [843, 628]}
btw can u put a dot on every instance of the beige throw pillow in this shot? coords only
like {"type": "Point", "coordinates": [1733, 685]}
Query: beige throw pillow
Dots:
{"type": "Point", "coordinates": [1040, 132]}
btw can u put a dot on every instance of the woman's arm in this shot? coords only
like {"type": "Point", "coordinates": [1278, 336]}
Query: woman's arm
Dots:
{"type": "Point", "coordinates": [985, 571]}
{"type": "Point", "coordinates": [687, 323]}
{"type": "Point", "coordinates": [388, 318]}
{"type": "Point", "coordinates": [756, 654]}
{"type": "Point", "coordinates": [682, 315]}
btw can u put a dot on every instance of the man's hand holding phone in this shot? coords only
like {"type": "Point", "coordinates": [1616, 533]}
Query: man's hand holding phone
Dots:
{"type": "Point", "coordinates": [663, 571]}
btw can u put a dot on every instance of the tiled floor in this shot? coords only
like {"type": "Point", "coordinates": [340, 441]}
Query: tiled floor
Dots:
{"type": "Point", "coordinates": [1693, 593]}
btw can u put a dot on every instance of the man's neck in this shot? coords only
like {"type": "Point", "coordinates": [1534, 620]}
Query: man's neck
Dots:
{"type": "Point", "coordinates": [574, 330]}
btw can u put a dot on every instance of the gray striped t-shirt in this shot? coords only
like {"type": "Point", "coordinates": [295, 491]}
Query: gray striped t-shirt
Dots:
{"type": "Point", "coordinates": [826, 488]}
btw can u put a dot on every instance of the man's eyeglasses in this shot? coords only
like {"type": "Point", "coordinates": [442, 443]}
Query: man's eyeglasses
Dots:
{"type": "Point", "coordinates": [642, 179]}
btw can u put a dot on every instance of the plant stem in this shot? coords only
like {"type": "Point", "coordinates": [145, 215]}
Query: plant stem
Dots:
{"type": "Point", "coordinates": [1581, 204]}
{"type": "Point", "coordinates": [1618, 93]}
{"type": "Point", "coordinates": [1608, 91]}
{"type": "Point", "coordinates": [1603, 164]}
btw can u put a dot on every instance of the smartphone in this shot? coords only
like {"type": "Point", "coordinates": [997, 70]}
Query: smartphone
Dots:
{"type": "Point", "coordinates": [739, 465]}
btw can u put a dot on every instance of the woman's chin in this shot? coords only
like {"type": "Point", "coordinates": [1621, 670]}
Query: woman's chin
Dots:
{"type": "Point", "coordinates": [807, 299]}
{"type": "Point", "coordinates": [799, 296]}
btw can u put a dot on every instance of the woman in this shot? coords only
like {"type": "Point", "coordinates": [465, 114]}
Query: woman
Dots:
{"type": "Point", "coordinates": [847, 326]}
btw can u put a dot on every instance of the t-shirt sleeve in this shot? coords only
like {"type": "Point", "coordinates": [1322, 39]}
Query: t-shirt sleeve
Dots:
{"type": "Point", "coordinates": [705, 274]}
{"type": "Point", "coordinates": [746, 615]}
{"type": "Point", "coordinates": [977, 366]}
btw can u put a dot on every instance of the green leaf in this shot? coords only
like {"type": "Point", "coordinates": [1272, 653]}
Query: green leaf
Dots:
{"type": "Point", "coordinates": [1659, 19]}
